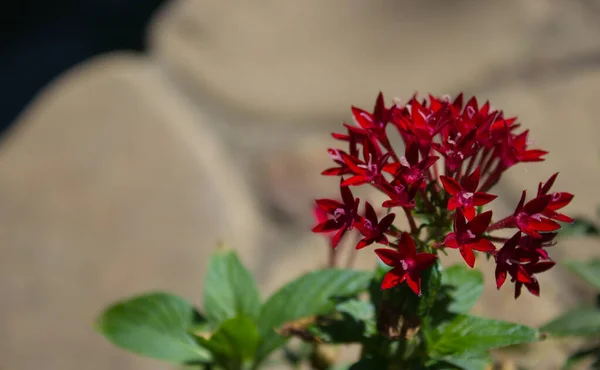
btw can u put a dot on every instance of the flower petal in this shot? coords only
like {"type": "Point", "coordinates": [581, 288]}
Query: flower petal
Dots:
{"type": "Point", "coordinates": [500, 276]}
{"type": "Point", "coordinates": [370, 214]}
{"type": "Point", "coordinates": [328, 205]}
{"type": "Point", "coordinates": [394, 277]}
{"type": "Point", "coordinates": [327, 226]}
{"type": "Point", "coordinates": [413, 280]}
{"type": "Point", "coordinates": [479, 224]}
{"type": "Point", "coordinates": [388, 256]}
{"type": "Point", "coordinates": [470, 183]}
{"type": "Point", "coordinates": [480, 199]}
{"type": "Point", "coordinates": [424, 260]}
{"type": "Point", "coordinates": [482, 245]}
{"type": "Point", "coordinates": [363, 243]}
{"type": "Point", "coordinates": [468, 255]}
{"type": "Point", "coordinates": [453, 204]}
{"type": "Point", "coordinates": [335, 239]}
{"type": "Point", "coordinates": [406, 241]}
{"type": "Point", "coordinates": [355, 181]}
{"type": "Point", "coordinates": [386, 222]}
{"type": "Point", "coordinates": [450, 241]}
{"type": "Point", "coordinates": [450, 185]}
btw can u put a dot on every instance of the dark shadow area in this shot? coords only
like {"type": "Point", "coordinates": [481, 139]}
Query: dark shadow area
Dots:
{"type": "Point", "coordinates": [39, 39]}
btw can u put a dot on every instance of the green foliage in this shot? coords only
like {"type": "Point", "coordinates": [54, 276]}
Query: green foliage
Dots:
{"type": "Point", "coordinates": [469, 334]}
{"type": "Point", "coordinates": [581, 226]}
{"type": "Point", "coordinates": [463, 286]}
{"type": "Point", "coordinates": [229, 290]}
{"type": "Point", "coordinates": [581, 321]}
{"type": "Point", "coordinates": [234, 344]}
{"type": "Point", "coordinates": [578, 322]}
{"type": "Point", "coordinates": [309, 295]}
{"type": "Point", "coordinates": [396, 328]}
{"type": "Point", "coordinates": [155, 325]}
{"type": "Point", "coordinates": [588, 271]}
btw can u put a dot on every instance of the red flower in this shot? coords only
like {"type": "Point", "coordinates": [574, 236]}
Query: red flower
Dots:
{"type": "Point", "coordinates": [529, 218]}
{"type": "Point", "coordinates": [420, 123]}
{"type": "Point", "coordinates": [558, 200]}
{"type": "Point", "coordinates": [534, 248]}
{"type": "Point", "coordinates": [465, 195]}
{"type": "Point", "coordinates": [409, 168]}
{"type": "Point", "coordinates": [342, 169]}
{"type": "Point", "coordinates": [344, 214]}
{"type": "Point", "coordinates": [321, 216]}
{"type": "Point", "coordinates": [407, 264]}
{"type": "Point", "coordinates": [468, 236]}
{"type": "Point", "coordinates": [372, 229]}
{"type": "Point", "coordinates": [457, 149]}
{"type": "Point", "coordinates": [401, 195]}
{"type": "Point", "coordinates": [514, 150]}
{"type": "Point", "coordinates": [533, 285]}
{"type": "Point", "coordinates": [367, 171]}
{"type": "Point", "coordinates": [507, 261]}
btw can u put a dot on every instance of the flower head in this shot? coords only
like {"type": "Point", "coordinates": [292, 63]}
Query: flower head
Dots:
{"type": "Point", "coordinates": [406, 262]}
{"type": "Point", "coordinates": [467, 236]}
{"type": "Point", "coordinates": [465, 195]}
{"type": "Point", "coordinates": [373, 231]}
{"type": "Point", "coordinates": [344, 214]}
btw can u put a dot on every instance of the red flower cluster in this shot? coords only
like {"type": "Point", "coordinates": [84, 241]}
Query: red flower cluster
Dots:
{"type": "Point", "coordinates": [477, 144]}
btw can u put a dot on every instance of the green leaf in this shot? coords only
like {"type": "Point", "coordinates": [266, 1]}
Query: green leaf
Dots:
{"type": "Point", "coordinates": [577, 357]}
{"type": "Point", "coordinates": [473, 334]}
{"type": "Point", "coordinates": [229, 289]}
{"type": "Point", "coordinates": [357, 309]}
{"type": "Point", "coordinates": [233, 343]}
{"type": "Point", "coordinates": [578, 322]}
{"type": "Point", "coordinates": [588, 271]}
{"type": "Point", "coordinates": [154, 325]}
{"type": "Point", "coordinates": [580, 227]}
{"type": "Point", "coordinates": [469, 361]}
{"type": "Point", "coordinates": [464, 285]}
{"type": "Point", "coordinates": [309, 295]}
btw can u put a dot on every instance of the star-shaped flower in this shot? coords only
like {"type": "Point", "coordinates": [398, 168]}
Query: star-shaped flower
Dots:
{"type": "Point", "coordinates": [372, 229]}
{"type": "Point", "coordinates": [407, 264]}
{"type": "Point", "coordinates": [467, 236]}
{"type": "Point", "coordinates": [344, 214]}
{"type": "Point", "coordinates": [465, 195]}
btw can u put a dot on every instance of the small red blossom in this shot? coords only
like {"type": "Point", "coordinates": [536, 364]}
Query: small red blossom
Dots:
{"type": "Point", "coordinates": [409, 168]}
{"type": "Point", "coordinates": [533, 285]}
{"type": "Point", "coordinates": [344, 214]}
{"type": "Point", "coordinates": [465, 195]}
{"type": "Point", "coordinates": [337, 156]}
{"type": "Point", "coordinates": [534, 248]}
{"type": "Point", "coordinates": [401, 194]}
{"type": "Point", "coordinates": [467, 236]}
{"type": "Point", "coordinates": [529, 218]}
{"type": "Point", "coordinates": [457, 148]}
{"type": "Point", "coordinates": [558, 200]}
{"type": "Point", "coordinates": [367, 171]}
{"type": "Point", "coordinates": [514, 149]}
{"type": "Point", "coordinates": [406, 262]}
{"type": "Point", "coordinates": [372, 229]}
{"type": "Point", "coordinates": [507, 262]}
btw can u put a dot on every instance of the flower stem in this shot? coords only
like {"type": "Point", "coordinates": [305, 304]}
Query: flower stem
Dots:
{"type": "Point", "coordinates": [502, 224]}
{"type": "Point", "coordinates": [411, 221]}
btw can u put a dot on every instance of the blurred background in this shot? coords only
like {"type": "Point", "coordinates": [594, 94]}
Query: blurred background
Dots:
{"type": "Point", "coordinates": [136, 134]}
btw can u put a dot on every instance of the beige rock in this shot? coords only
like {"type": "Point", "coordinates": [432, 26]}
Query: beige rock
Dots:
{"type": "Point", "coordinates": [282, 59]}
{"type": "Point", "coordinates": [110, 185]}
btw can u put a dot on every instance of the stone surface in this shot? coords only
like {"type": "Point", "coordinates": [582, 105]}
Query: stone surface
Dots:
{"type": "Point", "coordinates": [111, 185]}
{"type": "Point", "coordinates": [282, 59]}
